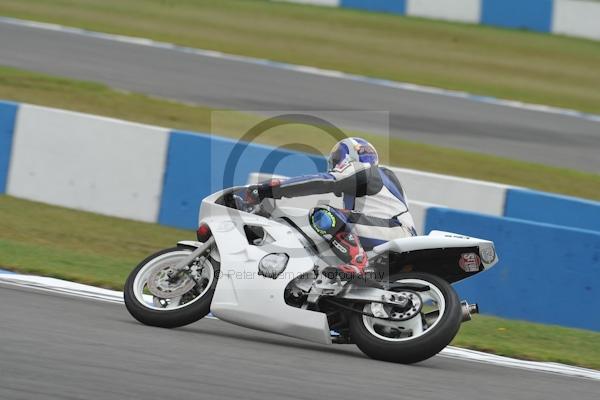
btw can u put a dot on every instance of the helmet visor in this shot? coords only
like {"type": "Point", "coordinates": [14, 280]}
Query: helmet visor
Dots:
{"type": "Point", "coordinates": [337, 156]}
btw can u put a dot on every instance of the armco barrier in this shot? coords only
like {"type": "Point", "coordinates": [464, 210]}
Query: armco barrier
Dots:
{"type": "Point", "coordinates": [8, 115]}
{"type": "Point", "coordinates": [547, 273]}
{"type": "Point", "coordinates": [390, 6]}
{"type": "Point", "coordinates": [452, 10]}
{"type": "Point", "coordinates": [198, 163]}
{"type": "Point", "coordinates": [87, 162]}
{"type": "Point", "coordinates": [569, 17]}
{"type": "Point", "coordinates": [577, 18]}
{"type": "Point", "coordinates": [327, 3]}
{"type": "Point", "coordinates": [118, 168]}
{"type": "Point", "coordinates": [553, 209]}
{"type": "Point", "coordinates": [452, 191]}
{"type": "Point", "coordinates": [535, 15]}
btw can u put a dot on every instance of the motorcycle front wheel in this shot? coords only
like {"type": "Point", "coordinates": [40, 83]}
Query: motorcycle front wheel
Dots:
{"type": "Point", "coordinates": [182, 301]}
{"type": "Point", "coordinates": [416, 339]}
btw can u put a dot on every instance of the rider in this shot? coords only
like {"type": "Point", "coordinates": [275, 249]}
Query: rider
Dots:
{"type": "Point", "coordinates": [375, 207]}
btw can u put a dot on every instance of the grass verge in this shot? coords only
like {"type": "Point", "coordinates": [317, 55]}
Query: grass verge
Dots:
{"type": "Point", "coordinates": [99, 99]}
{"type": "Point", "coordinates": [530, 341]}
{"type": "Point", "coordinates": [513, 64]}
{"type": "Point", "coordinates": [74, 245]}
{"type": "Point", "coordinates": [53, 241]}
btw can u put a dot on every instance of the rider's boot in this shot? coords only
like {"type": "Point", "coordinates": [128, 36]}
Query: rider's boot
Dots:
{"type": "Point", "coordinates": [331, 224]}
{"type": "Point", "coordinates": [347, 247]}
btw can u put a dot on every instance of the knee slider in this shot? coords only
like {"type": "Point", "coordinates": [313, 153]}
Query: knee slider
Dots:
{"type": "Point", "coordinates": [322, 220]}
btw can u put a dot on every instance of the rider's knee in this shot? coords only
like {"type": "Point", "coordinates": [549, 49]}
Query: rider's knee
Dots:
{"type": "Point", "coordinates": [323, 221]}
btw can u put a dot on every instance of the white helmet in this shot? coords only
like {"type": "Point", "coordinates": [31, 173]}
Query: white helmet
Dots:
{"type": "Point", "coordinates": [351, 150]}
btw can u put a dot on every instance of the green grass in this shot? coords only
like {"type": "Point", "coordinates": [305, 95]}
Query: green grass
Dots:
{"type": "Point", "coordinates": [529, 341]}
{"type": "Point", "coordinates": [53, 241]}
{"type": "Point", "coordinates": [96, 98]}
{"type": "Point", "coordinates": [512, 64]}
{"type": "Point", "coordinates": [90, 248]}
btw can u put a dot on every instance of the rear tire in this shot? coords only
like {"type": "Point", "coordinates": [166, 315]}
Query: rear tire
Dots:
{"type": "Point", "coordinates": [165, 318]}
{"type": "Point", "coordinates": [420, 348]}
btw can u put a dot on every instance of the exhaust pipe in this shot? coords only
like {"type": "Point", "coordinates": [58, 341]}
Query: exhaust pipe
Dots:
{"type": "Point", "coordinates": [468, 309]}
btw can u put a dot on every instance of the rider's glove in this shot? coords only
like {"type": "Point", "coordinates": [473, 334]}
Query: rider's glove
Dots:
{"type": "Point", "coordinates": [252, 195]}
{"type": "Point", "coordinates": [256, 193]}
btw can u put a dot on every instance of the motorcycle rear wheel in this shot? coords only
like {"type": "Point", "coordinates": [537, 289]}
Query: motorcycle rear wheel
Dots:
{"type": "Point", "coordinates": [425, 344]}
{"type": "Point", "coordinates": [170, 316]}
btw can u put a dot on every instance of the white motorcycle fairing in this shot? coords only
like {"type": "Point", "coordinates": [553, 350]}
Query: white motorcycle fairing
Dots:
{"type": "Point", "coordinates": [244, 297]}
{"type": "Point", "coordinates": [438, 240]}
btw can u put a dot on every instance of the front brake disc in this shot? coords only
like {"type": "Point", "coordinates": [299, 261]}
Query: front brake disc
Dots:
{"type": "Point", "coordinates": [161, 285]}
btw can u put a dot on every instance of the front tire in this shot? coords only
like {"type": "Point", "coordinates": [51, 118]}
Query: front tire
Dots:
{"type": "Point", "coordinates": [425, 344]}
{"type": "Point", "coordinates": [170, 316]}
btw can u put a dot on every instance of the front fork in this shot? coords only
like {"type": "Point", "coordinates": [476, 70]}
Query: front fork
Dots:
{"type": "Point", "coordinates": [183, 266]}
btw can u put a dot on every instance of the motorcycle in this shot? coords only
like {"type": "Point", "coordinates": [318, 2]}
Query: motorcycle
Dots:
{"type": "Point", "coordinates": [262, 266]}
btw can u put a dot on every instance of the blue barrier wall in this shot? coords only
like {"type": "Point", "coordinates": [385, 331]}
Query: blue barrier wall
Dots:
{"type": "Point", "coordinates": [573, 17]}
{"type": "Point", "coordinates": [521, 14]}
{"type": "Point", "coordinates": [198, 165]}
{"type": "Point", "coordinates": [553, 209]}
{"type": "Point", "coordinates": [8, 116]}
{"type": "Point", "coordinates": [390, 6]}
{"type": "Point", "coordinates": [546, 273]}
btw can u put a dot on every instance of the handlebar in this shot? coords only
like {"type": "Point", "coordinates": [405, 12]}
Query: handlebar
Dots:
{"type": "Point", "coordinates": [235, 198]}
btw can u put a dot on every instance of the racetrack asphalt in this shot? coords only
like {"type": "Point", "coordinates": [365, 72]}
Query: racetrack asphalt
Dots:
{"type": "Point", "coordinates": [56, 347]}
{"type": "Point", "coordinates": [528, 135]}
